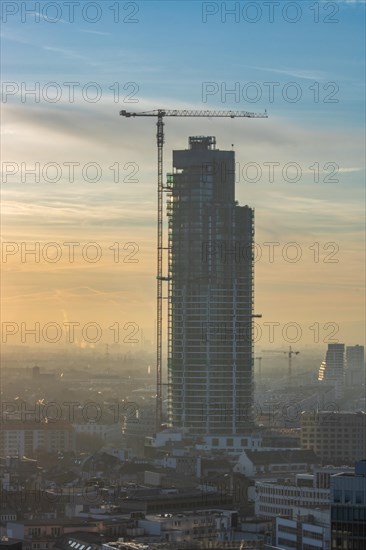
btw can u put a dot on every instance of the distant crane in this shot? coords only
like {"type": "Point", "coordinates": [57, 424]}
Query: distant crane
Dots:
{"type": "Point", "coordinates": [289, 354]}
{"type": "Point", "coordinates": [160, 114]}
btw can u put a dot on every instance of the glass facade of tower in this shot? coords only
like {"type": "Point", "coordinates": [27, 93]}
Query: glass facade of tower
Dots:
{"type": "Point", "coordinates": [210, 351]}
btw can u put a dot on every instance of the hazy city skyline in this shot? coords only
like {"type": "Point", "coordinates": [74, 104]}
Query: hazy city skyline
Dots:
{"type": "Point", "coordinates": [236, 418]}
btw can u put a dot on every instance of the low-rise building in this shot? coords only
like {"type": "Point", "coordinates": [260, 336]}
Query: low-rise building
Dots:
{"type": "Point", "coordinates": [22, 438]}
{"type": "Point", "coordinates": [274, 498]}
{"type": "Point", "coordinates": [80, 540]}
{"type": "Point", "coordinates": [232, 445]}
{"type": "Point", "coordinates": [42, 534]}
{"type": "Point", "coordinates": [186, 465]}
{"type": "Point", "coordinates": [303, 531]}
{"type": "Point", "coordinates": [158, 501]}
{"type": "Point", "coordinates": [109, 432]}
{"type": "Point", "coordinates": [274, 463]}
{"type": "Point", "coordinates": [193, 525]}
{"type": "Point", "coordinates": [338, 438]}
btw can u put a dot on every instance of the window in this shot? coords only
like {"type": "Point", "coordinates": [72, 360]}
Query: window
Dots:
{"type": "Point", "coordinates": [347, 496]}
{"type": "Point", "coordinates": [287, 543]}
{"type": "Point", "coordinates": [287, 529]}
{"type": "Point", "coordinates": [359, 497]}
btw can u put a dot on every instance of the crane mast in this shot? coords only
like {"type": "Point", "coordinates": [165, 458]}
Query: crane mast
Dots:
{"type": "Point", "coordinates": [160, 114]}
{"type": "Point", "coordinates": [159, 276]}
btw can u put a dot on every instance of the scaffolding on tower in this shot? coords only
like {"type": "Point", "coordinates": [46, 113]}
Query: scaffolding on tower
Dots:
{"type": "Point", "coordinates": [160, 114]}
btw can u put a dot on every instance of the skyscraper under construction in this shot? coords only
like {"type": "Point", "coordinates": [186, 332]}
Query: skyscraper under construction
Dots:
{"type": "Point", "coordinates": [210, 305]}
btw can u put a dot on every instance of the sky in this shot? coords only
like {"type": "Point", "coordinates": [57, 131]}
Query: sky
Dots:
{"type": "Point", "coordinates": [89, 207]}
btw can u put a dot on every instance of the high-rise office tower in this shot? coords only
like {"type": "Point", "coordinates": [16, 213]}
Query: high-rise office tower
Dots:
{"type": "Point", "coordinates": [355, 357]}
{"type": "Point", "coordinates": [355, 361]}
{"type": "Point", "coordinates": [332, 370]}
{"type": "Point", "coordinates": [210, 350]}
{"type": "Point", "coordinates": [335, 360]}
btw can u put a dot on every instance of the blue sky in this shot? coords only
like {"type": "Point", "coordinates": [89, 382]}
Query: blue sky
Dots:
{"type": "Point", "coordinates": [167, 55]}
{"type": "Point", "coordinates": [169, 52]}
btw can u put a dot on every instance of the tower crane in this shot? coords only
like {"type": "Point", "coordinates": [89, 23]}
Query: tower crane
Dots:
{"type": "Point", "coordinates": [289, 354]}
{"type": "Point", "coordinates": [160, 114]}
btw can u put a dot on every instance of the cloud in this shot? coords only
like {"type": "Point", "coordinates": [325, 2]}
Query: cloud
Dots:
{"type": "Point", "coordinates": [16, 37]}
{"type": "Point", "coordinates": [359, 2]}
{"type": "Point", "coordinates": [101, 33]}
{"type": "Point", "coordinates": [306, 74]}
{"type": "Point", "coordinates": [67, 52]}
{"type": "Point", "coordinates": [37, 14]}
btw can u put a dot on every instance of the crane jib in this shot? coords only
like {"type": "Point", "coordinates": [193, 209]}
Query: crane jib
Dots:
{"type": "Point", "coordinates": [160, 113]}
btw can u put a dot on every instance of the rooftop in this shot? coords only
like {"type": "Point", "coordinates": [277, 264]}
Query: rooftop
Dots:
{"type": "Point", "coordinates": [281, 457]}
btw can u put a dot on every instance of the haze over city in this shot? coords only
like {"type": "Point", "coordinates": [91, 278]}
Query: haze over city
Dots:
{"type": "Point", "coordinates": [183, 275]}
